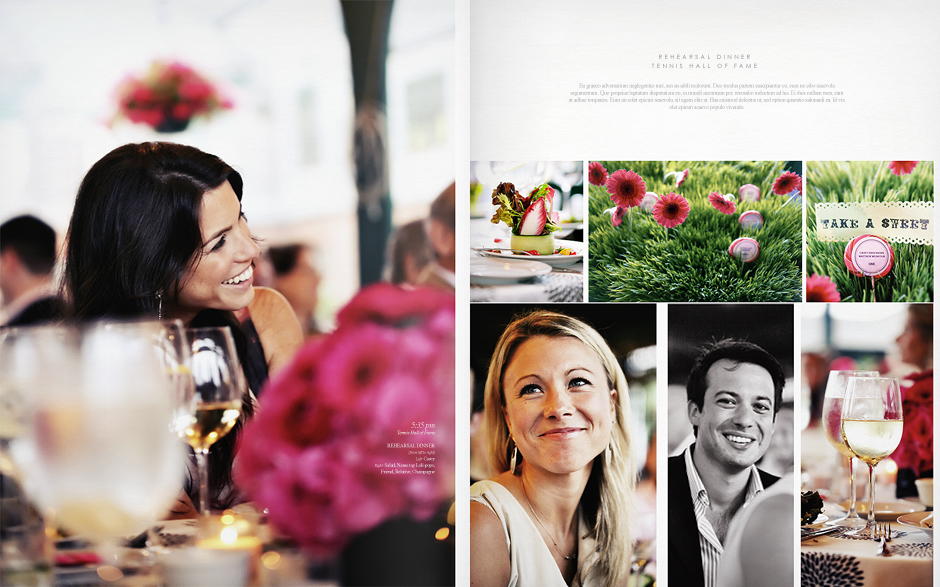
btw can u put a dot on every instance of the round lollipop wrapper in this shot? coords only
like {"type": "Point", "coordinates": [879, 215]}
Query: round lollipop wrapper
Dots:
{"type": "Point", "coordinates": [751, 220]}
{"type": "Point", "coordinates": [868, 255]}
{"type": "Point", "coordinates": [745, 249]}
{"type": "Point", "coordinates": [749, 193]}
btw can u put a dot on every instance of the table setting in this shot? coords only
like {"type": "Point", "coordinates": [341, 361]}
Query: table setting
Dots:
{"type": "Point", "coordinates": [500, 273]}
{"type": "Point", "coordinates": [97, 418]}
{"type": "Point", "coordinates": [878, 541]}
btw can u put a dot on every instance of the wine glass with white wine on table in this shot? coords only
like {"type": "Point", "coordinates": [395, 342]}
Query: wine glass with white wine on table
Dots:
{"type": "Point", "coordinates": [832, 425]}
{"type": "Point", "coordinates": [872, 422]}
{"type": "Point", "coordinates": [213, 407]}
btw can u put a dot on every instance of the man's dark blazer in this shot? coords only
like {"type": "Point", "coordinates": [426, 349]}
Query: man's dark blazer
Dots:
{"type": "Point", "coordinates": [49, 309]}
{"type": "Point", "coordinates": [685, 555]}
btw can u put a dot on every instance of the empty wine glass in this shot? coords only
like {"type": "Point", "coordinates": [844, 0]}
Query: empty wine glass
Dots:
{"type": "Point", "coordinates": [212, 406]}
{"type": "Point", "coordinates": [872, 422]}
{"type": "Point", "coordinates": [832, 424]}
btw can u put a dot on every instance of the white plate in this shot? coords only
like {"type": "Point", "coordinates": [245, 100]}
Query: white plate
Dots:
{"type": "Point", "coordinates": [818, 522]}
{"type": "Point", "coordinates": [886, 512]}
{"type": "Point", "coordinates": [489, 271]}
{"type": "Point", "coordinates": [553, 260]}
{"type": "Point", "coordinates": [915, 521]}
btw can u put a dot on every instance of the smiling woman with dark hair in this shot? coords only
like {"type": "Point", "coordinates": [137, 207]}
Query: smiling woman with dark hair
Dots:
{"type": "Point", "coordinates": [158, 232]}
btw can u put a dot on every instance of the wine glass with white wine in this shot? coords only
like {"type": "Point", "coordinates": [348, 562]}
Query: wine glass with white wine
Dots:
{"type": "Point", "coordinates": [872, 422]}
{"type": "Point", "coordinates": [214, 405]}
{"type": "Point", "coordinates": [832, 425]}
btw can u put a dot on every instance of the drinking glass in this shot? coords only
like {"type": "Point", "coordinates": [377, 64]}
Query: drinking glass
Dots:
{"type": "Point", "coordinates": [872, 422]}
{"type": "Point", "coordinates": [99, 449]}
{"type": "Point", "coordinates": [832, 424]}
{"type": "Point", "coordinates": [211, 408]}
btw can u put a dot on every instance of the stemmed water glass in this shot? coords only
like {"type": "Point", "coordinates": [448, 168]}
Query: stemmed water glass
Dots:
{"type": "Point", "coordinates": [832, 424]}
{"type": "Point", "coordinates": [211, 408]}
{"type": "Point", "coordinates": [872, 422]}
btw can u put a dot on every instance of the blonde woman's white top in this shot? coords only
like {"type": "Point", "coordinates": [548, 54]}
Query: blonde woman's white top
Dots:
{"type": "Point", "coordinates": [530, 560]}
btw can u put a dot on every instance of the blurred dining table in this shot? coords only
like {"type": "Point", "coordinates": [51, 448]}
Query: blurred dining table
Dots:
{"type": "Point", "coordinates": [839, 559]}
{"type": "Point", "coordinates": [501, 276]}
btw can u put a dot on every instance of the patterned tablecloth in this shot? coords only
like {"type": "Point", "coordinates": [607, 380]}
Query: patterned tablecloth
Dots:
{"type": "Point", "coordinates": [565, 284]}
{"type": "Point", "coordinates": [847, 561]}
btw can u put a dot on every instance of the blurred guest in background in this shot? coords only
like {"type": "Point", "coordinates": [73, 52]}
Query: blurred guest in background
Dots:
{"type": "Point", "coordinates": [914, 455]}
{"type": "Point", "coordinates": [27, 261]}
{"type": "Point", "coordinates": [296, 276]}
{"type": "Point", "coordinates": [157, 231]}
{"type": "Point", "coordinates": [441, 230]}
{"type": "Point", "coordinates": [407, 253]}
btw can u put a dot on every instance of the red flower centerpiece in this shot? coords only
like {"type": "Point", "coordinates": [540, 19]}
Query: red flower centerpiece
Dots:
{"type": "Point", "coordinates": [722, 203]}
{"type": "Point", "coordinates": [902, 167]}
{"type": "Point", "coordinates": [334, 450]}
{"type": "Point", "coordinates": [597, 174]}
{"type": "Point", "coordinates": [671, 210]}
{"type": "Point", "coordinates": [168, 97]}
{"type": "Point", "coordinates": [820, 288]}
{"type": "Point", "coordinates": [915, 450]}
{"type": "Point", "coordinates": [787, 183]}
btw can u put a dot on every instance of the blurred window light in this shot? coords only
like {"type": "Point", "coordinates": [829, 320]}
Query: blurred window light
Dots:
{"type": "Point", "coordinates": [641, 361]}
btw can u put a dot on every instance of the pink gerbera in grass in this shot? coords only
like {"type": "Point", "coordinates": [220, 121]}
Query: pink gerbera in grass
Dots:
{"type": "Point", "coordinates": [682, 178]}
{"type": "Point", "coordinates": [671, 210]}
{"type": "Point", "coordinates": [722, 203]}
{"type": "Point", "coordinates": [597, 175]}
{"type": "Point", "coordinates": [820, 288]}
{"type": "Point", "coordinates": [616, 217]}
{"type": "Point", "coordinates": [902, 167]}
{"type": "Point", "coordinates": [626, 188]}
{"type": "Point", "coordinates": [787, 183]}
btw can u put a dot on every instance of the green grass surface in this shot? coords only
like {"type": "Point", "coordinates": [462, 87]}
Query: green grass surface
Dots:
{"type": "Point", "coordinates": [911, 279]}
{"type": "Point", "coordinates": [639, 263]}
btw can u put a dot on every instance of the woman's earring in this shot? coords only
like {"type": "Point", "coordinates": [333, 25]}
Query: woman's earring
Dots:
{"type": "Point", "coordinates": [159, 305]}
{"type": "Point", "coordinates": [512, 461]}
{"type": "Point", "coordinates": [608, 454]}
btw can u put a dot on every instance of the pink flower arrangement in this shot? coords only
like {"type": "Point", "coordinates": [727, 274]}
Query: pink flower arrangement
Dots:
{"type": "Point", "coordinates": [916, 448]}
{"type": "Point", "coordinates": [168, 96]}
{"type": "Point", "coordinates": [902, 167]}
{"type": "Point", "coordinates": [671, 210]}
{"type": "Point", "coordinates": [722, 203]}
{"type": "Point", "coordinates": [787, 183]}
{"type": "Point", "coordinates": [626, 188]}
{"type": "Point", "coordinates": [597, 175]}
{"type": "Point", "coordinates": [820, 288]}
{"type": "Point", "coordinates": [322, 455]}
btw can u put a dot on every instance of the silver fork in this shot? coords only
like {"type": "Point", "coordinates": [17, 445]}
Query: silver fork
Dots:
{"type": "Point", "coordinates": [881, 532]}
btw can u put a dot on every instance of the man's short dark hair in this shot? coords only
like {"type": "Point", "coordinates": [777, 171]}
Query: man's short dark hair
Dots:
{"type": "Point", "coordinates": [738, 351]}
{"type": "Point", "coordinates": [33, 240]}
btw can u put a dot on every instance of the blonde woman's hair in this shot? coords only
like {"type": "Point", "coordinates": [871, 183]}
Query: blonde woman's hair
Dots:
{"type": "Point", "coordinates": [607, 502]}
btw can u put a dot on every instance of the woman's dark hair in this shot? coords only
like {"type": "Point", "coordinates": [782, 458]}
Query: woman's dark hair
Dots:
{"type": "Point", "coordinates": [133, 236]}
{"type": "Point", "coordinates": [135, 227]}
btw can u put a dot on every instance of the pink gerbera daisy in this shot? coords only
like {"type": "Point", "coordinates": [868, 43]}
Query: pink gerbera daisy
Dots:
{"type": "Point", "coordinates": [616, 217]}
{"type": "Point", "coordinates": [671, 210]}
{"type": "Point", "coordinates": [682, 178]}
{"type": "Point", "coordinates": [597, 175]}
{"type": "Point", "coordinates": [820, 288]}
{"type": "Point", "coordinates": [787, 182]}
{"type": "Point", "coordinates": [902, 167]}
{"type": "Point", "coordinates": [722, 203]}
{"type": "Point", "coordinates": [626, 188]}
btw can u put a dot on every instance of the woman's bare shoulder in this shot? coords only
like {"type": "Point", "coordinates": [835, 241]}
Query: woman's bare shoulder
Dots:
{"type": "Point", "coordinates": [277, 326]}
{"type": "Point", "coordinates": [489, 553]}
